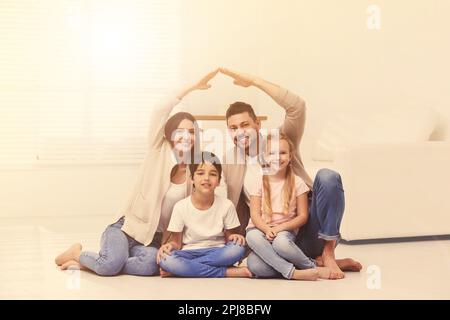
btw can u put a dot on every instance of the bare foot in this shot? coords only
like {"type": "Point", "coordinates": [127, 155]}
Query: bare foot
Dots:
{"type": "Point", "coordinates": [347, 264]}
{"type": "Point", "coordinates": [324, 272]}
{"type": "Point", "coordinates": [336, 272]}
{"type": "Point", "coordinates": [72, 264]}
{"type": "Point", "coordinates": [72, 253]}
{"type": "Point", "coordinates": [238, 272]}
{"type": "Point", "coordinates": [164, 273]}
{"type": "Point", "coordinates": [307, 274]}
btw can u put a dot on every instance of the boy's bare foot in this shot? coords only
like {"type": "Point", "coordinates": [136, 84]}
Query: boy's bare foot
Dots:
{"type": "Point", "coordinates": [164, 273]}
{"type": "Point", "coordinates": [307, 274]}
{"type": "Point", "coordinates": [347, 264]}
{"type": "Point", "coordinates": [72, 253]}
{"type": "Point", "coordinates": [238, 272]}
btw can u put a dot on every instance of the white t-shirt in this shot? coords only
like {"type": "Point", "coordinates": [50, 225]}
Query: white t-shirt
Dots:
{"type": "Point", "coordinates": [252, 172]}
{"type": "Point", "coordinates": [203, 228]}
{"type": "Point", "coordinates": [175, 193]}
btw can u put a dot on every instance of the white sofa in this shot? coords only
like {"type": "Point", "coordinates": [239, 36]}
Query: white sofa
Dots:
{"type": "Point", "coordinates": [395, 189]}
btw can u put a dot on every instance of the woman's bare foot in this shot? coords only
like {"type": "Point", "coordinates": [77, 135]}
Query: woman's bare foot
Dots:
{"type": "Point", "coordinates": [73, 253]}
{"type": "Point", "coordinates": [238, 272]}
{"type": "Point", "coordinates": [307, 274]}
{"type": "Point", "coordinates": [72, 264]}
{"type": "Point", "coordinates": [347, 264]}
{"type": "Point", "coordinates": [164, 273]}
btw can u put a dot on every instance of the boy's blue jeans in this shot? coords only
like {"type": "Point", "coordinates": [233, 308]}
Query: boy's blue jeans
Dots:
{"type": "Point", "coordinates": [203, 263]}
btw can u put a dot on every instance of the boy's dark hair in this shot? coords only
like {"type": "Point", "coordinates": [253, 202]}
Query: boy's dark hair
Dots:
{"type": "Point", "coordinates": [240, 107]}
{"type": "Point", "coordinates": [209, 157]}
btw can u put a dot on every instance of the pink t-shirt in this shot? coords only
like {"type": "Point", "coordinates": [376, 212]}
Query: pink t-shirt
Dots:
{"type": "Point", "coordinates": [276, 192]}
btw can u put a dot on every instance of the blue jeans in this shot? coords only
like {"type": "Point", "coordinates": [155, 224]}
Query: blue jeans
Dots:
{"type": "Point", "coordinates": [281, 256]}
{"type": "Point", "coordinates": [120, 253]}
{"type": "Point", "coordinates": [203, 263]}
{"type": "Point", "coordinates": [326, 209]}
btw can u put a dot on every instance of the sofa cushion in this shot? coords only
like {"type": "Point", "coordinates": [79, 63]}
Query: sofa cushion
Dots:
{"type": "Point", "coordinates": [400, 124]}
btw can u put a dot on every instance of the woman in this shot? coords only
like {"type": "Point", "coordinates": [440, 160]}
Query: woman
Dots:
{"type": "Point", "coordinates": [131, 243]}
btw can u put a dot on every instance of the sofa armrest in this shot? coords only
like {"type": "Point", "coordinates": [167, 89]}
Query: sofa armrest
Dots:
{"type": "Point", "coordinates": [395, 190]}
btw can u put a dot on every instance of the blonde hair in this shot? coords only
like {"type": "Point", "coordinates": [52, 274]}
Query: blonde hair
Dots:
{"type": "Point", "coordinates": [289, 182]}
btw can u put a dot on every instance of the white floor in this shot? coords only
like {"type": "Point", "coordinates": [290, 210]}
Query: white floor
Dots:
{"type": "Point", "coordinates": [415, 270]}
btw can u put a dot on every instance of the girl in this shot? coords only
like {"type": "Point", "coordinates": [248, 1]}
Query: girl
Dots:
{"type": "Point", "coordinates": [131, 243]}
{"type": "Point", "coordinates": [203, 242]}
{"type": "Point", "coordinates": [278, 208]}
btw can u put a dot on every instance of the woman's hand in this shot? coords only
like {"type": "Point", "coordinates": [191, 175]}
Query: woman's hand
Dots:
{"type": "Point", "coordinates": [240, 79]}
{"type": "Point", "coordinates": [202, 84]}
{"type": "Point", "coordinates": [164, 250]}
{"type": "Point", "coordinates": [237, 239]}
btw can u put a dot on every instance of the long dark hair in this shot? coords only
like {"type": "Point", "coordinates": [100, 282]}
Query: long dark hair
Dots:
{"type": "Point", "coordinates": [172, 124]}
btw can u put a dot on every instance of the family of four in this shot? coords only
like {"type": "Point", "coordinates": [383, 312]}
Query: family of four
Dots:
{"type": "Point", "coordinates": [175, 224]}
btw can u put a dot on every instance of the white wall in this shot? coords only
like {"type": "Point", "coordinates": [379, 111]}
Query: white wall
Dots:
{"type": "Point", "coordinates": [65, 191]}
{"type": "Point", "coordinates": [322, 50]}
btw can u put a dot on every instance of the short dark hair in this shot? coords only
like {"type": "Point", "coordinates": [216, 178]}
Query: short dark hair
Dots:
{"type": "Point", "coordinates": [209, 157]}
{"type": "Point", "coordinates": [240, 107]}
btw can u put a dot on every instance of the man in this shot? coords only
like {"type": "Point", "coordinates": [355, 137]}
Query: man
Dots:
{"type": "Point", "coordinates": [319, 236]}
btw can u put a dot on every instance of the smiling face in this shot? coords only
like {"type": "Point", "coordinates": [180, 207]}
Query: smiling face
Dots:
{"type": "Point", "coordinates": [278, 156]}
{"type": "Point", "coordinates": [183, 137]}
{"type": "Point", "coordinates": [206, 178]}
{"type": "Point", "coordinates": [243, 129]}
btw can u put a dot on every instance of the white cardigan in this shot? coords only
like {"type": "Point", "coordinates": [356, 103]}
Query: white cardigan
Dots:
{"type": "Point", "coordinates": [143, 208]}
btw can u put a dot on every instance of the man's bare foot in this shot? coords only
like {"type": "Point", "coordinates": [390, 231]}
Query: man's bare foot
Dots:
{"type": "Point", "coordinates": [73, 253]}
{"type": "Point", "coordinates": [238, 272]}
{"type": "Point", "coordinates": [164, 273]}
{"type": "Point", "coordinates": [72, 264]}
{"type": "Point", "coordinates": [307, 274]}
{"type": "Point", "coordinates": [347, 264]}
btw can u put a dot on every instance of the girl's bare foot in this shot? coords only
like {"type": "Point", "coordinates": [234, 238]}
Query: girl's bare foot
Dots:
{"type": "Point", "coordinates": [164, 273]}
{"type": "Point", "coordinates": [238, 272]}
{"type": "Point", "coordinates": [73, 253]}
{"type": "Point", "coordinates": [324, 272]}
{"type": "Point", "coordinates": [72, 264]}
{"type": "Point", "coordinates": [307, 274]}
{"type": "Point", "coordinates": [335, 271]}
